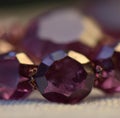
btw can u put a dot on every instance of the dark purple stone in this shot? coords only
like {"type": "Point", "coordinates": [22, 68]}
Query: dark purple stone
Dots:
{"type": "Point", "coordinates": [61, 78]}
{"type": "Point", "coordinates": [107, 70]}
{"type": "Point", "coordinates": [11, 83]}
{"type": "Point", "coordinates": [23, 90]}
{"type": "Point", "coordinates": [52, 31]}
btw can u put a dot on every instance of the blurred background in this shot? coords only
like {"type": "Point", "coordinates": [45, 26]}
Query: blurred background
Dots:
{"type": "Point", "coordinates": [105, 12]}
{"type": "Point", "coordinates": [101, 24]}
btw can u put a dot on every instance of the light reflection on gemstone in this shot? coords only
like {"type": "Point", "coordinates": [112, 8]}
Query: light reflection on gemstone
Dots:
{"type": "Point", "coordinates": [23, 59]}
{"type": "Point", "coordinates": [5, 46]}
{"type": "Point", "coordinates": [53, 57]}
{"type": "Point", "coordinates": [105, 52]}
{"type": "Point", "coordinates": [117, 47]}
{"type": "Point", "coordinates": [78, 57]}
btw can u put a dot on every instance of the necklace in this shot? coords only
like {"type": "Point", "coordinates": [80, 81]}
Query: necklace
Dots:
{"type": "Point", "coordinates": [34, 62]}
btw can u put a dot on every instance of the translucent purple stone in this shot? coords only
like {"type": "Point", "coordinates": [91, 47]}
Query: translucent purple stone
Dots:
{"type": "Point", "coordinates": [12, 85]}
{"type": "Point", "coordinates": [52, 31]}
{"type": "Point", "coordinates": [62, 28]}
{"type": "Point", "coordinates": [63, 79]}
{"type": "Point", "coordinates": [107, 70]}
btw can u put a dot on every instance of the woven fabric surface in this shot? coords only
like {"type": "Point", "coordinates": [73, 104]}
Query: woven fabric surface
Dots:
{"type": "Point", "coordinates": [97, 105]}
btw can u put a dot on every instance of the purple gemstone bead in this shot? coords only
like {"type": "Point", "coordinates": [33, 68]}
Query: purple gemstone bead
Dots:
{"type": "Point", "coordinates": [51, 31]}
{"type": "Point", "coordinates": [107, 70]}
{"type": "Point", "coordinates": [64, 77]}
{"type": "Point", "coordinates": [63, 28]}
{"type": "Point", "coordinates": [11, 83]}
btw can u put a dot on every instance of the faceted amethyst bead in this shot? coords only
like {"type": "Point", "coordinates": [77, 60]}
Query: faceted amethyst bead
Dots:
{"type": "Point", "coordinates": [63, 28]}
{"type": "Point", "coordinates": [11, 83]}
{"type": "Point", "coordinates": [107, 70]}
{"type": "Point", "coordinates": [65, 77]}
{"type": "Point", "coordinates": [66, 29]}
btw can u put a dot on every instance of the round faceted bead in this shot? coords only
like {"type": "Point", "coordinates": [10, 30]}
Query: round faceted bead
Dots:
{"type": "Point", "coordinates": [11, 82]}
{"type": "Point", "coordinates": [65, 77]}
{"type": "Point", "coordinates": [51, 31]}
{"type": "Point", "coordinates": [107, 70]}
{"type": "Point", "coordinates": [63, 28]}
